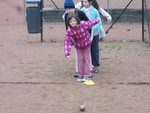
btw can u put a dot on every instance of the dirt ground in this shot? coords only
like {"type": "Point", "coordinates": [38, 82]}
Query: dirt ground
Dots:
{"type": "Point", "coordinates": [35, 77]}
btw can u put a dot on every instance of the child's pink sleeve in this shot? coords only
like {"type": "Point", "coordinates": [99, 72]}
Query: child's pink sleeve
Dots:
{"type": "Point", "coordinates": [89, 24]}
{"type": "Point", "coordinates": [67, 44]}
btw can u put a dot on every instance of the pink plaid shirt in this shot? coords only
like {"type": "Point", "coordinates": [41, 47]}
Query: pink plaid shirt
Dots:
{"type": "Point", "coordinates": [80, 35]}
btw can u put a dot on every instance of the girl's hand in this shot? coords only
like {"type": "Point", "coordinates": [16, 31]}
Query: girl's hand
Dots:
{"type": "Point", "coordinates": [98, 19]}
{"type": "Point", "coordinates": [110, 19]}
{"type": "Point", "coordinates": [67, 56]}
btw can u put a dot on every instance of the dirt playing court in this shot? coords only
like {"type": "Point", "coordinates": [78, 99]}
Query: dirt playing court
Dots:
{"type": "Point", "coordinates": [35, 77]}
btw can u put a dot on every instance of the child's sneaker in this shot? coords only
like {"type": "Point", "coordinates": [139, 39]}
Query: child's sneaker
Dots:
{"type": "Point", "coordinates": [79, 79]}
{"type": "Point", "coordinates": [85, 78]}
{"type": "Point", "coordinates": [95, 69]}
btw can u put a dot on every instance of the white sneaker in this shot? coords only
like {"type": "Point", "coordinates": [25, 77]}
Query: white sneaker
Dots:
{"type": "Point", "coordinates": [79, 79]}
{"type": "Point", "coordinates": [85, 78]}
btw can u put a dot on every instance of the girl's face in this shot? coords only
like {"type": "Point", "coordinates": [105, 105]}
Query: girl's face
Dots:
{"type": "Point", "coordinates": [69, 10]}
{"type": "Point", "coordinates": [86, 3]}
{"type": "Point", "coordinates": [73, 22]}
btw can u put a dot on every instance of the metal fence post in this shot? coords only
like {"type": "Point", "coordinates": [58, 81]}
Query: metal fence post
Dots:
{"type": "Point", "coordinates": [142, 20]}
{"type": "Point", "coordinates": [41, 18]}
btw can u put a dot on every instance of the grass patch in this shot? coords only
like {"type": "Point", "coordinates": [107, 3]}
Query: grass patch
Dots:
{"type": "Point", "coordinates": [111, 46]}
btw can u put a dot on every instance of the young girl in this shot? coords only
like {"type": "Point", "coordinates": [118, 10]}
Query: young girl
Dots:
{"type": "Point", "coordinates": [79, 5]}
{"type": "Point", "coordinates": [79, 32]}
{"type": "Point", "coordinates": [92, 13]}
{"type": "Point", "coordinates": [70, 8]}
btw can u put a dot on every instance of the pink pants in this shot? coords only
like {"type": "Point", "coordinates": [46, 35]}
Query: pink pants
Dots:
{"type": "Point", "coordinates": [83, 62]}
{"type": "Point", "coordinates": [76, 62]}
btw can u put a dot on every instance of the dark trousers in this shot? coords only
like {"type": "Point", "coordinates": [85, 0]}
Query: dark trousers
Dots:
{"type": "Point", "coordinates": [95, 51]}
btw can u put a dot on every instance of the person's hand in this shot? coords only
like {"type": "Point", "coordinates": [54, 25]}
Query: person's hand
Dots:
{"type": "Point", "coordinates": [98, 19]}
{"type": "Point", "coordinates": [101, 39]}
{"type": "Point", "coordinates": [110, 19]}
{"type": "Point", "coordinates": [67, 56]}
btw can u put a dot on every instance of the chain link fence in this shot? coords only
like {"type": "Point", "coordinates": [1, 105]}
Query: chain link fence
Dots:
{"type": "Point", "coordinates": [127, 27]}
{"type": "Point", "coordinates": [126, 20]}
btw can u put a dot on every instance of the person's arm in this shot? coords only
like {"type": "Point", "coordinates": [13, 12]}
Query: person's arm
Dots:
{"type": "Point", "coordinates": [89, 24]}
{"type": "Point", "coordinates": [105, 14]}
{"type": "Point", "coordinates": [67, 44]}
{"type": "Point", "coordinates": [78, 5]}
{"type": "Point", "coordinates": [82, 15]}
{"type": "Point", "coordinates": [63, 16]}
{"type": "Point", "coordinates": [96, 15]}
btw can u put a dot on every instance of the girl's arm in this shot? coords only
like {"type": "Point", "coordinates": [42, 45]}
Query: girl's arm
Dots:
{"type": "Point", "coordinates": [96, 15]}
{"type": "Point", "coordinates": [63, 16]}
{"type": "Point", "coordinates": [105, 14]}
{"type": "Point", "coordinates": [78, 5]}
{"type": "Point", "coordinates": [82, 15]}
{"type": "Point", "coordinates": [67, 44]}
{"type": "Point", "coordinates": [89, 24]}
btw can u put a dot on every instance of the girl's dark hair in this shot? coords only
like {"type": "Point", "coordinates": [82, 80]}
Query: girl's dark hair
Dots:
{"type": "Point", "coordinates": [81, 4]}
{"type": "Point", "coordinates": [94, 3]}
{"type": "Point", "coordinates": [72, 15]}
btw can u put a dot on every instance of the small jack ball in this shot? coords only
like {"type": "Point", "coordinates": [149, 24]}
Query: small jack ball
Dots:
{"type": "Point", "coordinates": [82, 107]}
